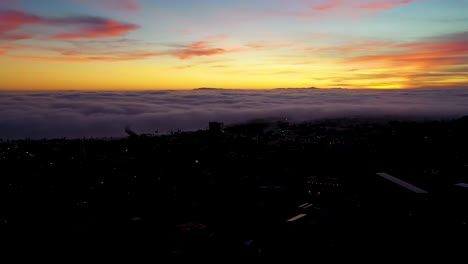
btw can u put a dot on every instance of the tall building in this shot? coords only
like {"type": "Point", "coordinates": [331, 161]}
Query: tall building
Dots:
{"type": "Point", "coordinates": [216, 127]}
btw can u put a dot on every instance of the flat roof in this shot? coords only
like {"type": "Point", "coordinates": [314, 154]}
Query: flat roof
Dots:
{"type": "Point", "coordinates": [402, 183]}
{"type": "Point", "coordinates": [464, 185]}
{"type": "Point", "coordinates": [297, 217]}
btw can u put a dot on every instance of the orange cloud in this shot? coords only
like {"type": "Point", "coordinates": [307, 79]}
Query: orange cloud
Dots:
{"type": "Point", "coordinates": [421, 54]}
{"type": "Point", "coordinates": [199, 45]}
{"type": "Point", "coordinates": [197, 49]}
{"type": "Point", "coordinates": [76, 56]}
{"type": "Point", "coordinates": [99, 50]}
{"type": "Point", "coordinates": [55, 59]}
{"type": "Point", "coordinates": [426, 63]}
{"type": "Point", "coordinates": [417, 60]}
{"type": "Point", "coordinates": [436, 61]}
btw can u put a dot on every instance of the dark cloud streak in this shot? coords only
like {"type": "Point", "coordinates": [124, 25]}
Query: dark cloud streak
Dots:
{"type": "Point", "coordinates": [81, 26]}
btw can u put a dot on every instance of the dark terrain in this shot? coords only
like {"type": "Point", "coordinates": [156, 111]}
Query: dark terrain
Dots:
{"type": "Point", "coordinates": [230, 191]}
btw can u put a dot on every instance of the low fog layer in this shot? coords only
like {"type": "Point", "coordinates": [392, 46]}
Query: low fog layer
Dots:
{"type": "Point", "coordinates": [101, 114]}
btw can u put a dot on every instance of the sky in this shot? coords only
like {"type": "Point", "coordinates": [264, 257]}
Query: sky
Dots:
{"type": "Point", "coordinates": [252, 44]}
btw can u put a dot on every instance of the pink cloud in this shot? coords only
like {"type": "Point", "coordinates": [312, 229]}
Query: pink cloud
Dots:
{"type": "Point", "coordinates": [128, 5]}
{"type": "Point", "coordinates": [122, 5]}
{"type": "Point", "coordinates": [188, 53]}
{"type": "Point", "coordinates": [259, 45]}
{"type": "Point", "coordinates": [384, 5]}
{"type": "Point", "coordinates": [104, 29]}
{"type": "Point", "coordinates": [369, 5]}
{"type": "Point", "coordinates": [11, 20]}
{"type": "Point", "coordinates": [332, 4]}
{"type": "Point", "coordinates": [18, 18]}
{"type": "Point", "coordinates": [79, 26]}
{"type": "Point", "coordinates": [13, 37]}
{"type": "Point", "coordinates": [362, 46]}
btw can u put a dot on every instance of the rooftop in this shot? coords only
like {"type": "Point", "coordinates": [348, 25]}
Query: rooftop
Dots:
{"type": "Point", "coordinates": [463, 185]}
{"type": "Point", "coordinates": [296, 218]}
{"type": "Point", "coordinates": [402, 183]}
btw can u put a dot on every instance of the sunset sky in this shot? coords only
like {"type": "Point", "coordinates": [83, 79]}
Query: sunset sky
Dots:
{"type": "Point", "coordinates": [183, 44]}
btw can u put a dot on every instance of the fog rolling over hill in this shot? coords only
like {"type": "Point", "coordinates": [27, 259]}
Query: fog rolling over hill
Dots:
{"type": "Point", "coordinates": [102, 114]}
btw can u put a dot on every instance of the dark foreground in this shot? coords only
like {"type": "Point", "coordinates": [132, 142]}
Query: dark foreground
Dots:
{"type": "Point", "coordinates": [258, 190]}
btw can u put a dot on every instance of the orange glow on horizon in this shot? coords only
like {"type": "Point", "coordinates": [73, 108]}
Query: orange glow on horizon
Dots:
{"type": "Point", "coordinates": [117, 45]}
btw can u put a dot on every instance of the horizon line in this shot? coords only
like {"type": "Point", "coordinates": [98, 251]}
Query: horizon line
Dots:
{"type": "Point", "coordinates": [227, 89]}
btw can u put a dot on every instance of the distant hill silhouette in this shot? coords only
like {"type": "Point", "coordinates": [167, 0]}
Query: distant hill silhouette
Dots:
{"type": "Point", "coordinates": [290, 88]}
{"type": "Point", "coordinates": [208, 89]}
